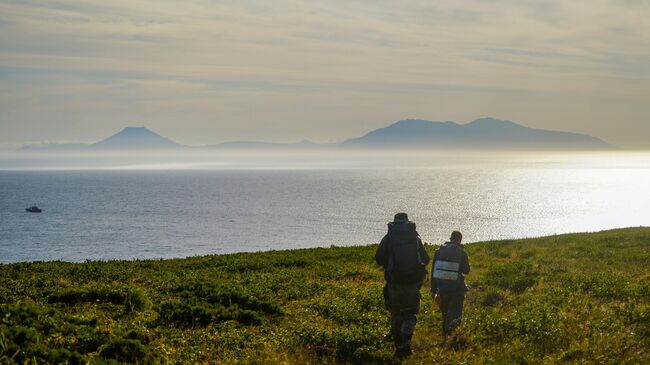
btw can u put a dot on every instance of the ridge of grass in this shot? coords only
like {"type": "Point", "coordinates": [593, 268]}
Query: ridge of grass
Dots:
{"type": "Point", "coordinates": [574, 298]}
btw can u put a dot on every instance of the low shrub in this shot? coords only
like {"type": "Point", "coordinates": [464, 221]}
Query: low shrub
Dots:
{"type": "Point", "coordinates": [637, 316]}
{"type": "Point", "coordinates": [133, 299]}
{"type": "Point", "coordinates": [351, 307]}
{"type": "Point", "coordinates": [536, 324]}
{"type": "Point", "coordinates": [491, 297]}
{"type": "Point", "coordinates": [128, 351]}
{"type": "Point", "coordinates": [202, 304]}
{"type": "Point", "coordinates": [347, 344]}
{"type": "Point", "coordinates": [607, 285]}
{"type": "Point", "coordinates": [20, 344]}
{"type": "Point", "coordinates": [516, 276]}
{"type": "Point", "coordinates": [192, 314]}
{"type": "Point", "coordinates": [227, 296]}
{"type": "Point", "coordinates": [136, 300]}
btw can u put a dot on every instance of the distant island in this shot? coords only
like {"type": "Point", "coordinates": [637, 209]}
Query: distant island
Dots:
{"type": "Point", "coordinates": [483, 133]}
{"type": "Point", "coordinates": [128, 138]}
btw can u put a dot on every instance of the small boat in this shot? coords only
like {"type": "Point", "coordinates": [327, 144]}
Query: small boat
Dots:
{"type": "Point", "coordinates": [34, 209]}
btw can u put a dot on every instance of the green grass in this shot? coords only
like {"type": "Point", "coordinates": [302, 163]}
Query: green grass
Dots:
{"type": "Point", "coordinates": [577, 298]}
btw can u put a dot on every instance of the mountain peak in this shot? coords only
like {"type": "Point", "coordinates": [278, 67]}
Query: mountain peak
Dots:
{"type": "Point", "coordinates": [418, 123]}
{"type": "Point", "coordinates": [135, 138]}
{"type": "Point", "coordinates": [482, 133]}
{"type": "Point", "coordinates": [136, 130]}
{"type": "Point", "coordinates": [411, 121]}
{"type": "Point", "coordinates": [306, 142]}
{"type": "Point", "coordinates": [491, 122]}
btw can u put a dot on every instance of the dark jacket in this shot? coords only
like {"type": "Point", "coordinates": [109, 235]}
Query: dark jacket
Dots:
{"type": "Point", "coordinates": [451, 252]}
{"type": "Point", "coordinates": [399, 234]}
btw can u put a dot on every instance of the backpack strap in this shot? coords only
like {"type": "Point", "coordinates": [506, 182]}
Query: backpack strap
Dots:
{"type": "Point", "coordinates": [417, 250]}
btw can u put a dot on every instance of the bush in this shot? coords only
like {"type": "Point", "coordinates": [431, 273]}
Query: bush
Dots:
{"type": "Point", "coordinates": [202, 304]}
{"type": "Point", "coordinates": [136, 300]}
{"type": "Point", "coordinates": [129, 351]}
{"type": "Point", "coordinates": [133, 299]}
{"type": "Point", "coordinates": [637, 316]}
{"type": "Point", "coordinates": [491, 297]}
{"type": "Point", "coordinates": [516, 276]}
{"type": "Point", "coordinates": [354, 344]}
{"type": "Point", "coordinates": [608, 285]}
{"type": "Point", "coordinates": [351, 307]}
{"type": "Point", "coordinates": [227, 296]}
{"type": "Point", "coordinates": [536, 324]}
{"type": "Point", "coordinates": [201, 314]}
{"type": "Point", "coordinates": [20, 344]}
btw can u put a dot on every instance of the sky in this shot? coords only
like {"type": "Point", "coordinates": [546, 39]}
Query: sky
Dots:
{"type": "Point", "coordinates": [205, 71]}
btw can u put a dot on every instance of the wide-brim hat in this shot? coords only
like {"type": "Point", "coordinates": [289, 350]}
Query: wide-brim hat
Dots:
{"type": "Point", "coordinates": [401, 218]}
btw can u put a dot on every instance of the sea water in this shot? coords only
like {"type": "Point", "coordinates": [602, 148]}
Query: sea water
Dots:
{"type": "Point", "coordinates": [162, 213]}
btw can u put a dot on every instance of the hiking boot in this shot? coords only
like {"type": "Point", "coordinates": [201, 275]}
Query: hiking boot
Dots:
{"type": "Point", "coordinates": [404, 351]}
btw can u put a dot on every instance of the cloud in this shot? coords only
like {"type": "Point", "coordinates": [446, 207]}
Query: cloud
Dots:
{"type": "Point", "coordinates": [251, 59]}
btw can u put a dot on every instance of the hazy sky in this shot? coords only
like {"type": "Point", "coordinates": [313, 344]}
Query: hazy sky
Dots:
{"type": "Point", "coordinates": [204, 71]}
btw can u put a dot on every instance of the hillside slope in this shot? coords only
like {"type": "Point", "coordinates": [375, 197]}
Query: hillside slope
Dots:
{"type": "Point", "coordinates": [570, 298]}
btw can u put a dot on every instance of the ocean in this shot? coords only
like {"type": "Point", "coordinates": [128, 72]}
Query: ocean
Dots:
{"type": "Point", "coordinates": [162, 212]}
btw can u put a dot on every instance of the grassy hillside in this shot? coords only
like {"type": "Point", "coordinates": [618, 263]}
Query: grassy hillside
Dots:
{"type": "Point", "coordinates": [571, 298]}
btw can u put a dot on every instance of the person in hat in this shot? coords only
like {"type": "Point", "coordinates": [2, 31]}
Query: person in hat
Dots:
{"type": "Point", "coordinates": [404, 259]}
{"type": "Point", "coordinates": [450, 264]}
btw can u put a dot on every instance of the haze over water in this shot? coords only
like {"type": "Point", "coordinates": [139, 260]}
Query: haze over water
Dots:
{"type": "Point", "coordinates": [153, 209]}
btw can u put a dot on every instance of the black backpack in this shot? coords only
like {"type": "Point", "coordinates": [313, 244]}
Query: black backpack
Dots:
{"type": "Point", "coordinates": [405, 262]}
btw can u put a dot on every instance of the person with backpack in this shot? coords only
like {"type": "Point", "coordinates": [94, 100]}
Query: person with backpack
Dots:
{"type": "Point", "coordinates": [404, 259]}
{"type": "Point", "coordinates": [450, 263]}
